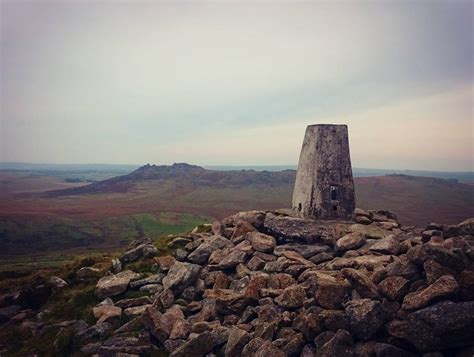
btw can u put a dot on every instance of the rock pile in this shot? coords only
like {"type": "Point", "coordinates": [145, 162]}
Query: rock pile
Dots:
{"type": "Point", "coordinates": [269, 284]}
{"type": "Point", "coordinates": [266, 283]}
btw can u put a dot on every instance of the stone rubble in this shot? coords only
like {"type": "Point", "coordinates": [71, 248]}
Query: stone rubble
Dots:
{"type": "Point", "coordinates": [266, 283]}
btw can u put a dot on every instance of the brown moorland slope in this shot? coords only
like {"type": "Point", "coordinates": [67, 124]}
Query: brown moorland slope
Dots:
{"type": "Point", "coordinates": [192, 189]}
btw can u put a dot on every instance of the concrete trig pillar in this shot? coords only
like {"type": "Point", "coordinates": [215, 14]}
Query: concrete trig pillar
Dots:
{"type": "Point", "coordinates": [324, 188]}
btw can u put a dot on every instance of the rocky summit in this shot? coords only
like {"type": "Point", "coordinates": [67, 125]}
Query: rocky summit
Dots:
{"type": "Point", "coordinates": [269, 284]}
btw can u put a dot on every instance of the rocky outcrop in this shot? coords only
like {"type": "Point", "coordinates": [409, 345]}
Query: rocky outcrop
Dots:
{"type": "Point", "coordinates": [293, 287]}
{"type": "Point", "coordinates": [264, 284]}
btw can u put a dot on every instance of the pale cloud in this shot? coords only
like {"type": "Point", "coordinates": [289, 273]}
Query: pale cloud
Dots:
{"type": "Point", "coordinates": [235, 83]}
{"type": "Point", "coordinates": [433, 132]}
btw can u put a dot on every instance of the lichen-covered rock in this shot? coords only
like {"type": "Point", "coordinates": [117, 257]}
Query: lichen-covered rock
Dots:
{"type": "Point", "coordinates": [181, 275]}
{"type": "Point", "coordinates": [329, 290]}
{"type": "Point", "coordinates": [241, 228]}
{"type": "Point", "coordinates": [340, 344]}
{"type": "Point", "coordinates": [292, 297]}
{"type": "Point", "coordinates": [445, 325]}
{"type": "Point", "coordinates": [143, 247]}
{"type": "Point", "coordinates": [152, 279]}
{"type": "Point", "coordinates": [268, 349]}
{"type": "Point", "coordinates": [361, 283]}
{"type": "Point", "coordinates": [201, 344]}
{"type": "Point", "coordinates": [161, 325]}
{"type": "Point", "coordinates": [394, 287]}
{"type": "Point", "coordinates": [289, 229]}
{"type": "Point", "coordinates": [443, 287]}
{"type": "Point", "coordinates": [261, 242]}
{"type": "Point", "coordinates": [387, 245]}
{"type": "Point", "coordinates": [370, 231]}
{"type": "Point", "coordinates": [255, 218]}
{"type": "Point", "coordinates": [107, 313]}
{"type": "Point", "coordinates": [238, 338]}
{"type": "Point", "coordinates": [111, 285]}
{"type": "Point", "coordinates": [366, 317]}
{"type": "Point", "coordinates": [87, 273]}
{"type": "Point", "coordinates": [350, 241]}
{"type": "Point", "coordinates": [57, 282]}
{"type": "Point", "coordinates": [201, 254]}
{"type": "Point", "coordinates": [435, 270]}
{"type": "Point", "coordinates": [271, 284]}
{"type": "Point", "coordinates": [234, 258]}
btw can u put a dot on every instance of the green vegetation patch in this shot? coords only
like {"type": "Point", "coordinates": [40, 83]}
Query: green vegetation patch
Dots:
{"type": "Point", "coordinates": [23, 235]}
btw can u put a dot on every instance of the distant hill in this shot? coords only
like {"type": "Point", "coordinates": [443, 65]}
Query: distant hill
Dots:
{"type": "Point", "coordinates": [189, 188]}
{"type": "Point", "coordinates": [97, 172]}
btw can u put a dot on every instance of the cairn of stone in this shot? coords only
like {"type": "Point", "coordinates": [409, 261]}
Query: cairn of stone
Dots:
{"type": "Point", "coordinates": [268, 284]}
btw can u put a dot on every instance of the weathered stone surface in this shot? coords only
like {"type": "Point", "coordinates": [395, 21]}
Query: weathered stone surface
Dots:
{"type": "Point", "coordinates": [57, 282]}
{"type": "Point", "coordinates": [290, 229]}
{"type": "Point", "coordinates": [339, 345]}
{"type": "Point", "coordinates": [387, 245]}
{"type": "Point", "coordinates": [466, 284]}
{"type": "Point", "coordinates": [261, 242]}
{"type": "Point", "coordinates": [255, 218]}
{"type": "Point", "coordinates": [255, 263]}
{"type": "Point", "coordinates": [435, 270]}
{"type": "Point", "coordinates": [370, 231]}
{"type": "Point", "coordinates": [321, 258]}
{"type": "Point", "coordinates": [366, 317]}
{"type": "Point", "coordinates": [420, 253]}
{"type": "Point", "coordinates": [280, 281]}
{"type": "Point", "coordinates": [146, 249]}
{"type": "Point", "coordinates": [107, 313]}
{"type": "Point", "coordinates": [161, 325]}
{"type": "Point", "coordinates": [116, 265]}
{"type": "Point", "coordinates": [201, 254]}
{"type": "Point", "coordinates": [443, 287]}
{"type": "Point", "coordinates": [362, 220]}
{"type": "Point", "coordinates": [307, 251]}
{"type": "Point", "coordinates": [111, 285]}
{"type": "Point", "coordinates": [241, 228]}
{"type": "Point", "coordinates": [394, 287]}
{"type": "Point", "coordinates": [365, 261]}
{"type": "Point", "coordinates": [324, 187]}
{"type": "Point", "coordinates": [152, 279]}
{"type": "Point", "coordinates": [296, 300]}
{"type": "Point", "coordinates": [445, 325]}
{"type": "Point", "coordinates": [292, 297]}
{"type": "Point", "coordinates": [151, 288]}
{"type": "Point", "coordinates": [200, 345]}
{"type": "Point", "coordinates": [350, 241]}
{"type": "Point", "coordinates": [234, 258]}
{"type": "Point", "coordinates": [329, 291]}
{"type": "Point", "coordinates": [164, 262]}
{"type": "Point", "coordinates": [181, 275]}
{"type": "Point", "coordinates": [179, 242]}
{"type": "Point", "coordinates": [268, 349]}
{"type": "Point", "coordinates": [164, 299]}
{"type": "Point", "coordinates": [361, 282]}
{"type": "Point", "coordinates": [134, 311]}
{"type": "Point", "coordinates": [180, 330]}
{"type": "Point", "coordinates": [238, 338]}
{"type": "Point", "coordinates": [181, 254]}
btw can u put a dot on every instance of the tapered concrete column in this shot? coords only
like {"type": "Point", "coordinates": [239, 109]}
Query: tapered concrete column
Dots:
{"type": "Point", "coordinates": [324, 188]}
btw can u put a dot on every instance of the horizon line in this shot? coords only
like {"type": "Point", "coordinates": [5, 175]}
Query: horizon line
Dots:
{"type": "Point", "coordinates": [218, 165]}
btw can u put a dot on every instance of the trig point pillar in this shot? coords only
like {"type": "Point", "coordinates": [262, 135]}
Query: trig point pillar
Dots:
{"type": "Point", "coordinates": [324, 188]}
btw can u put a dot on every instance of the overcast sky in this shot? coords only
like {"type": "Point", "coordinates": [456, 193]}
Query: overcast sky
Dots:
{"type": "Point", "coordinates": [236, 82]}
